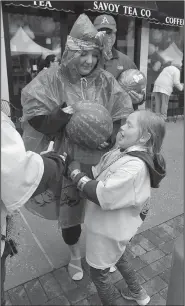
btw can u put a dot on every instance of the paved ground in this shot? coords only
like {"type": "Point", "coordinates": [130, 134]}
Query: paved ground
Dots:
{"type": "Point", "coordinates": [41, 247]}
{"type": "Point", "coordinates": [150, 253]}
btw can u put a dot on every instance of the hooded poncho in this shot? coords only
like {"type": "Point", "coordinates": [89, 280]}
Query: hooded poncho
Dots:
{"type": "Point", "coordinates": [53, 87]}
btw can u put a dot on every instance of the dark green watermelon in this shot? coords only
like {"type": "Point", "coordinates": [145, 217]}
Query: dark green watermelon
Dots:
{"type": "Point", "coordinates": [90, 125]}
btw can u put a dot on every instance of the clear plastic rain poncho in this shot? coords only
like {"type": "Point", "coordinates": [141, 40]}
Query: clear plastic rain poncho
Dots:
{"type": "Point", "coordinates": [54, 87]}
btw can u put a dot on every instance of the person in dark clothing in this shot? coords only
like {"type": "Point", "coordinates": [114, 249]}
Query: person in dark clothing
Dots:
{"type": "Point", "coordinates": [118, 192]}
{"type": "Point", "coordinates": [23, 176]}
{"type": "Point", "coordinates": [116, 62]}
{"type": "Point", "coordinates": [49, 61]}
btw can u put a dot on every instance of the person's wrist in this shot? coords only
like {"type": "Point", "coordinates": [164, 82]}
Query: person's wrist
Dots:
{"type": "Point", "coordinates": [82, 182]}
{"type": "Point", "coordinates": [74, 173]}
{"type": "Point", "coordinates": [78, 177]}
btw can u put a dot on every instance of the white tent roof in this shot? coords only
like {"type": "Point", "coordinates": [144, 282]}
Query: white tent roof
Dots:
{"type": "Point", "coordinates": [21, 43]}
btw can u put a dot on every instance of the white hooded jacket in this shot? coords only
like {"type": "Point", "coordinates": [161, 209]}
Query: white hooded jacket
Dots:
{"type": "Point", "coordinates": [21, 171]}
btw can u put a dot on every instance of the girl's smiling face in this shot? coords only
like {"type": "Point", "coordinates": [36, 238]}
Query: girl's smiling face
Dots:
{"type": "Point", "coordinates": [130, 134]}
{"type": "Point", "coordinates": [88, 61]}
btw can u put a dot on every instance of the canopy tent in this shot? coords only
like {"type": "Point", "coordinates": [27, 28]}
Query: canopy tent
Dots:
{"type": "Point", "coordinates": [21, 43]}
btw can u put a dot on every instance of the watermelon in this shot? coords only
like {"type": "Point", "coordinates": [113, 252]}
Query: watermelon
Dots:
{"type": "Point", "coordinates": [90, 125]}
{"type": "Point", "coordinates": [132, 79]}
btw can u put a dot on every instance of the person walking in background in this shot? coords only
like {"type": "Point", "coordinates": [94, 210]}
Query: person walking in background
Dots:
{"type": "Point", "coordinates": [118, 199]}
{"type": "Point", "coordinates": [115, 61]}
{"type": "Point", "coordinates": [163, 87]}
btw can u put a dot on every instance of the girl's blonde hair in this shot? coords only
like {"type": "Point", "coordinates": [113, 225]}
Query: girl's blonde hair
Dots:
{"type": "Point", "coordinates": [153, 124]}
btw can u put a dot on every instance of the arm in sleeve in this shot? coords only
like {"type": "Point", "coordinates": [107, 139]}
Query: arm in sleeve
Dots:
{"type": "Point", "coordinates": [53, 169]}
{"type": "Point", "coordinates": [118, 190]}
{"type": "Point", "coordinates": [21, 170]}
{"type": "Point", "coordinates": [90, 193]}
{"type": "Point", "coordinates": [52, 123]}
{"type": "Point", "coordinates": [177, 83]}
{"type": "Point", "coordinates": [24, 174]}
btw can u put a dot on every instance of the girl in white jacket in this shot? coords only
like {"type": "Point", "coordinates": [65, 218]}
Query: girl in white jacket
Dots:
{"type": "Point", "coordinates": [163, 87]}
{"type": "Point", "coordinates": [118, 200]}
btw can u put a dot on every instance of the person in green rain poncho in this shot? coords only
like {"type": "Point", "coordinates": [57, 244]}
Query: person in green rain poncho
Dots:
{"type": "Point", "coordinates": [48, 103]}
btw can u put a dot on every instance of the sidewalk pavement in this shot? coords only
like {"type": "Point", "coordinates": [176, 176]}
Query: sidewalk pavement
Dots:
{"type": "Point", "coordinates": [150, 253]}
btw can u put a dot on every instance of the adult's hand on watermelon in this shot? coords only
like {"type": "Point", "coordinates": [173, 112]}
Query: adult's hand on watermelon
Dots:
{"type": "Point", "coordinates": [68, 110]}
{"type": "Point", "coordinates": [136, 97]}
{"type": "Point", "coordinates": [103, 145]}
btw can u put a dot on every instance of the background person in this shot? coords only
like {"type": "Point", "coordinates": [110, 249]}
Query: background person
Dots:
{"type": "Point", "coordinates": [163, 87]}
{"type": "Point", "coordinates": [116, 62]}
{"type": "Point", "coordinates": [50, 61]}
{"type": "Point", "coordinates": [80, 78]}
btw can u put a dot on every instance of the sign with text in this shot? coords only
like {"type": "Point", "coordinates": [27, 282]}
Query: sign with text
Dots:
{"type": "Point", "coordinates": [65, 6]}
{"type": "Point", "coordinates": [104, 7]}
{"type": "Point", "coordinates": [116, 8]}
{"type": "Point", "coordinates": [43, 3]}
{"type": "Point", "coordinates": [121, 9]}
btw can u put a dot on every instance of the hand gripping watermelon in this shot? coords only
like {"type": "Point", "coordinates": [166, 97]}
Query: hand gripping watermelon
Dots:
{"type": "Point", "coordinates": [132, 79]}
{"type": "Point", "coordinates": [90, 125]}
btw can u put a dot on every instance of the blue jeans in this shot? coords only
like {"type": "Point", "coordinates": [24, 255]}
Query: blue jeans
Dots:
{"type": "Point", "coordinates": [106, 289]}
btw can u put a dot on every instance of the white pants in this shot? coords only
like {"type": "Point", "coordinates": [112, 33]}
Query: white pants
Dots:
{"type": "Point", "coordinates": [161, 103]}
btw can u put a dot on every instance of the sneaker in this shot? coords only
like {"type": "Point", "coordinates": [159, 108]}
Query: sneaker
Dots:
{"type": "Point", "coordinates": [142, 298]}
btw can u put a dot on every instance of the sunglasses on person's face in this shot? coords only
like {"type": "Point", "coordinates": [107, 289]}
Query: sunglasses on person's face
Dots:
{"type": "Point", "coordinates": [108, 31]}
